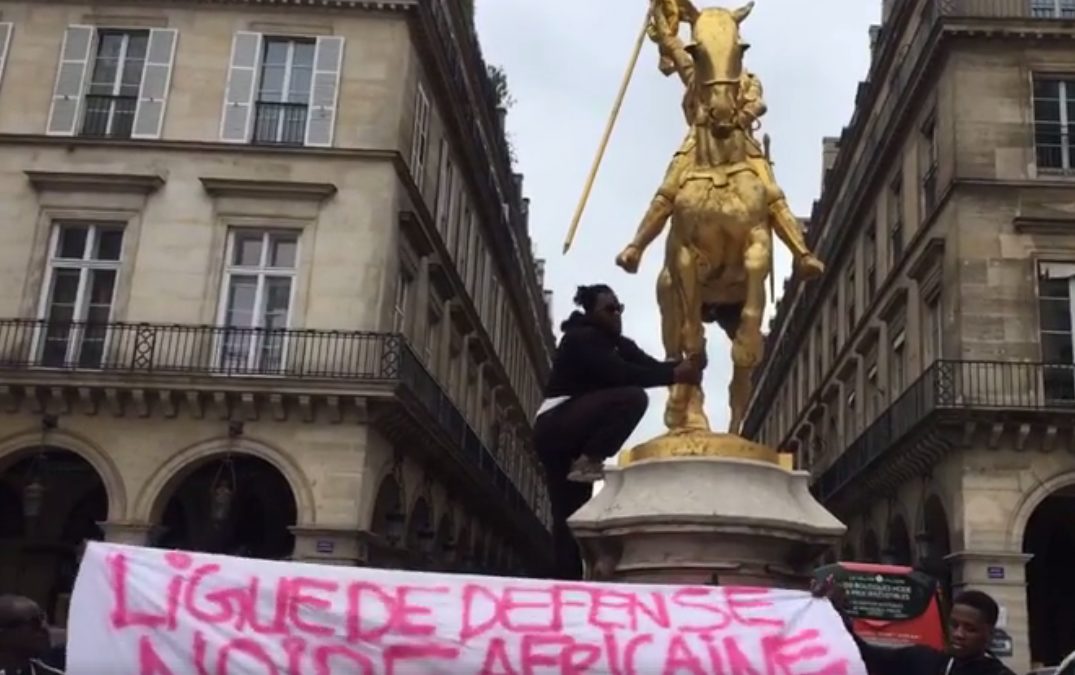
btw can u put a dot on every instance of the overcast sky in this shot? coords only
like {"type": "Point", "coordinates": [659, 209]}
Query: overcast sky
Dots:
{"type": "Point", "coordinates": [564, 60]}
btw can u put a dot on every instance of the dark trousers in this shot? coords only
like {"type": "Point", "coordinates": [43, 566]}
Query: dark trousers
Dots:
{"type": "Point", "coordinates": [596, 425]}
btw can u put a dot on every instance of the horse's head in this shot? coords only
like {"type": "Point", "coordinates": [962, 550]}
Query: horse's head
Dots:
{"type": "Point", "coordinates": [717, 51]}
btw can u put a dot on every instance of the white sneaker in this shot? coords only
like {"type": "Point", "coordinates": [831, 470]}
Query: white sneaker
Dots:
{"type": "Point", "coordinates": [586, 470]}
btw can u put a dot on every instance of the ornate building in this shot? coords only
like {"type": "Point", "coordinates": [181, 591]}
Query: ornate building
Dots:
{"type": "Point", "coordinates": [267, 289]}
{"type": "Point", "coordinates": [927, 381]}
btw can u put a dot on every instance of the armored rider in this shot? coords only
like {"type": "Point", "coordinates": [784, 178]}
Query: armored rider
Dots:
{"type": "Point", "coordinates": [674, 59]}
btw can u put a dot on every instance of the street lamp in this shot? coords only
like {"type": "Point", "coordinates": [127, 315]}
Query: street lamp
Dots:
{"type": "Point", "coordinates": [222, 494]}
{"type": "Point", "coordinates": [448, 548]}
{"type": "Point", "coordinates": [426, 540]}
{"type": "Point", "coordinates": [33, 498]}
{"type": "Point", "coordinates": [33, 494]}
{"type": "Point", "coordinates": [923, 546]}
{"type": "Point", "coordinates": [394, 523]}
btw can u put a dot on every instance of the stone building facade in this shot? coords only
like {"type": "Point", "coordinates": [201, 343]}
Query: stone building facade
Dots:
{"type": "Point", "coordinates": [267, 289]}
{"type": "Point", "coordinates": [927, 380]}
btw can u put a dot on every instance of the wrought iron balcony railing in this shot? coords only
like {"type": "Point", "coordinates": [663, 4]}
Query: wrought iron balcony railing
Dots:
{"type": "Point", "coordinates": [952, 386]}
{"type": "Point", "coordinates": [1009, 9]}
{"type": "Point", "coordinates": [109, 116]}
{"type": "Point", "coordinates": [157, 349]}
{"type": "Point", "coordinates": [280, 123]}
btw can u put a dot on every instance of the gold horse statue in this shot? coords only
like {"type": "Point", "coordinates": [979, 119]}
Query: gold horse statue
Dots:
{"type": "Point", "coordinates": [724, 204]}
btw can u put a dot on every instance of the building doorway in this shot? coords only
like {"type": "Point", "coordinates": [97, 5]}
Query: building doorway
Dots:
{"type": "Point", "coordinates": [1050, 539]}
{"type": "Point", "coordinates": [51, 501]}
{"type": "Point", "coordinates": [234, 505]}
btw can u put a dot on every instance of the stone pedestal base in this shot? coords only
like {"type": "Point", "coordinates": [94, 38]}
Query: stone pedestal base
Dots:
{"type": "Point", "coordinates": [704, 520]}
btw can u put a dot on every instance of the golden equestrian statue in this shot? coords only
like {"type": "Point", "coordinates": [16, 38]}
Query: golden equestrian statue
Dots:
{"type": "Point", "coordinates": [723, 203]}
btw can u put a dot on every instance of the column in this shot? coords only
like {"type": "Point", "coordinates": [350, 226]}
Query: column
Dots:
{"type": "Point", "coordinates": [1001, 574]}
{"type": "Point", "coordinates": [129, 533]}
{"type": "Point", "coordinates": [341, 546]}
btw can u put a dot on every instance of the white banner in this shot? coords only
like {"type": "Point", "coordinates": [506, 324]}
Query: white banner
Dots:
{"type": "Point", "coordinates": [141, 611]}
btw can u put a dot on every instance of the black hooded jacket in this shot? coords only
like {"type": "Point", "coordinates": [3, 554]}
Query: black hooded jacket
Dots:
{"type": "Point", "coordinates": [921, 660]}
{"type": "Point", "coordinates": [590, 359]}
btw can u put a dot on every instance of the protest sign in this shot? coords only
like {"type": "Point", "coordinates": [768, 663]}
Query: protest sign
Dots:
{"type": "Point", "coordinates": [143, 611]}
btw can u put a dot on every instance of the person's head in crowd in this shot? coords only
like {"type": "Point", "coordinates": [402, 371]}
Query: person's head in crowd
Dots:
{"type": "Point", "coordinates": [971, 623]}
{"type": "Point", "coordinates": [601, 307]}
{"type": "Point", "coordinates": [24, 632]}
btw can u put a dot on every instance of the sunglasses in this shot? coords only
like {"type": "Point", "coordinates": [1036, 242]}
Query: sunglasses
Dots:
{"type": "Point", "coordinates": [615, 308]}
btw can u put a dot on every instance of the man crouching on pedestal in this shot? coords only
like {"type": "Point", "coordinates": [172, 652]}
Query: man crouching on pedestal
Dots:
{"type": "Point", "coordinates": [594, 399]}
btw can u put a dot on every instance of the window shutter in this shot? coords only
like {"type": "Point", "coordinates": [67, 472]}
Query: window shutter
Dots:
{"type": "Point", "coordinates": [70, 80]}
{"type": "Point", "coordinates": [7, 30]}
{"type": "Point", "coordinates": [324, 91]}
{"type": "Point", "coordinates": [420, 136]}
{"type": "Point", "coordinates": [239, 91]}
{"type": "Point", "coordinates": [156, 80]}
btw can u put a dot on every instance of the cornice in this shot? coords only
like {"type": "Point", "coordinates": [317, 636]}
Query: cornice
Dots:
{"type": "Point", "coordinates": [69, 181]}
{"type": "Point", "coordinates": [267, 189]}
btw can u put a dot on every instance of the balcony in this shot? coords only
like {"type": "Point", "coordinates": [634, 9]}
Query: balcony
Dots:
{"type": "Point", "coordinates": [280, 123]}
{"type": "Point", "coordinates": [958, 393]}
{"type": "Point", "coordinates": [218, 363]}
{"type": "Point", "coordinates": [109, 116]}
{"type": "Point", "coordinates": [1009, 9]}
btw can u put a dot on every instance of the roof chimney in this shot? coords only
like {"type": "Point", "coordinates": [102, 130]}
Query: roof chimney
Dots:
{"type": "Point", "coordinates": [886, 9]}
{"type": "Point", "coordinates": [875, 37]}
{"type": "Point", "coordinates": [830, 150]}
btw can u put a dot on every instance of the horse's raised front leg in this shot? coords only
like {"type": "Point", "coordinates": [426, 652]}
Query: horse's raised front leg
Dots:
{"type": "Point", "coordinates": [748, 348]}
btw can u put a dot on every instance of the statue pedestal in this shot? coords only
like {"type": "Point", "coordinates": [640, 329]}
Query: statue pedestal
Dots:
{"type": "Point", "coordinates": [704, 520]}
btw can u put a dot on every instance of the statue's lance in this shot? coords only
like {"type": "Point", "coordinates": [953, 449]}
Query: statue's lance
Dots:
{"type": "Point", "coordinates": [767, 144]}
{"type": "Point", "coordinates": [608, 132]}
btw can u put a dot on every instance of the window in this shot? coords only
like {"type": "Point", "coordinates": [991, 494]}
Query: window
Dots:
{"type": "Point", "coordinates": [817, 447]}
{"type": "Point", "coordinates": [874, 401]}
{"type": "Point", "coordinates": [259, 283]}
{"type": "Point", "coordinates": [1054, 103]}
{"type": "Point", "coordinates": [895, 223]}
{"type": "Point", "coordinates": [1055, 311]}
{"type": "Point", "coordinates": [112, 96]}
{"type": "Point", "coordinates": [112, 83]}
{"type": "Point", "coordinates": [870, 246]}
{"type": "Point", "coordinates": [461, 230]}
{"type": "Point", "coordinates": [471, 260]}
{"type": "Point", "coordinates": [851, 417]}
{"type": "Point", "coordinates": [898, 365]}
{"type": "Point", "coordinates": [850, 300]}
{"type": "Point", "coordinates": [455, 366]}
{"type": "Point", "coordinates": [433, 340]}
{"type": "Point", "coordinates": [445, 191]}
{"type": "Point", "coordinates": [932, 336]}
{"type": "Point", "coordinates": [832, 438]}
{"type": "Point", "coordinates": [478, 263]}
{"type": "Point", "coordinates": [83, 264]}
{"type": "Point", "coordinates": [819, 350]}
{"type": "Point", "coordinates": [282, 90]}
{"type": "Point", "coordinates": [283, 99]}
{"type": "Point", "coordinates": [420, 137]}
{"type": "Point", "coordinates": [929, 163]}
{"type": "Point", "coordinates": [6, 30]}
{"type": "Point", "coordinates": [834, 328]}
{"type": "Point", "coordinates": [1052, 9]}
{"type": "Point", "coordinates": [404, 293]}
